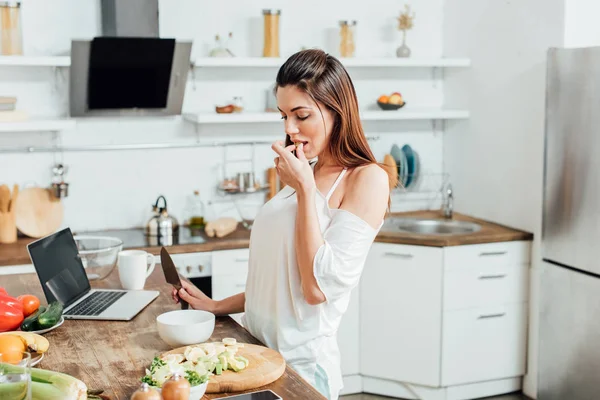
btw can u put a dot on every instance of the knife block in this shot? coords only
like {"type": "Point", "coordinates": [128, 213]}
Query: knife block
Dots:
{"type": "Point", "coordinates": [8, 227]}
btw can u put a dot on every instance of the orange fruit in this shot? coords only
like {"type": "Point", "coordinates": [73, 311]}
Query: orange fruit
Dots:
{"type": "Point", "coordinates": [396, 99]}
{"type": "Point", "coordinates": [383, 99]}
{"type": "Point", "coordinates": [12, 348]}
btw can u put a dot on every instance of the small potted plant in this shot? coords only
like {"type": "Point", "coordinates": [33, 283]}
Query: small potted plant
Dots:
{"type": "Point", "coordinates": [405, 22]}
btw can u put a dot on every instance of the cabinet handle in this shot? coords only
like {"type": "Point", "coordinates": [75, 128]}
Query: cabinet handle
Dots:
{"type": "Point", "coordinates": [492, 253]}
{"type": "Point", "coordinates": [242, 260]}
{"type": "Point", "coordinates": [486, 316]}
{"type": "Point", "coordinates": [499, 276]}
{"type": "Point", "coordinates": [240, 285]}
{"type": "Point", "coordinates": [399, 255]}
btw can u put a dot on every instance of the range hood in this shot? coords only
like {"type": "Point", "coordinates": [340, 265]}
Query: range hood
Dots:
{"type": "Point", "coordinates": [129, 70]}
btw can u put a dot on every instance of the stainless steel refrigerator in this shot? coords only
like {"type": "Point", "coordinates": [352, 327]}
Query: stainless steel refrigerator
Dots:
{"type": "Point", "coordinates": [569, 333]}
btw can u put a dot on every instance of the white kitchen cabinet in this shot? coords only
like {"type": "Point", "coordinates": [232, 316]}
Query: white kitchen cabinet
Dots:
{"type": "Point", "coordinates": [229, 274]}
{"type": "Point", "coordinates": [486, 343]}
{"type": "Point", "coordinates": [401, 315]}
{"type": "Point", "coordinates": [439, 321]}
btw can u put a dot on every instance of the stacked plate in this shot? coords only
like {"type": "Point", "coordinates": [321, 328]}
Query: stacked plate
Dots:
{"type": "Point", "coordinates": [407, 161]}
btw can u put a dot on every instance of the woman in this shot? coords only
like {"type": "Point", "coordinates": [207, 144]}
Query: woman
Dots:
{"type": "Point", "coordinates": [309, 242]}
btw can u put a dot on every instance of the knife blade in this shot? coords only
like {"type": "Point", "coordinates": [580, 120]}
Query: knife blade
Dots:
{"type": "Point", "coordinates": [171, 275]}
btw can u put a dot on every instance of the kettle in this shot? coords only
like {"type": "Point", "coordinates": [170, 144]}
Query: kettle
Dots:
{"type": "Point", "coordinates": [162, 229]}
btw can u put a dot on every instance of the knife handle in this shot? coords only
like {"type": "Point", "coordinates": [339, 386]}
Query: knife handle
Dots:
{"type": "Point", "coordinates": [184, 304]}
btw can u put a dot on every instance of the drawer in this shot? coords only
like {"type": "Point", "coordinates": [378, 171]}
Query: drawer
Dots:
{"type": "Point", "coordinates": [224, 286]}
{"type": "Point", "coordinates": [227, 262]}
{"type": "Point", "coordinates": [484, 344]}
{"type": "Point", "coordinates": [487, 254]}
{"type": "Point", "coordinates": [484, 285]}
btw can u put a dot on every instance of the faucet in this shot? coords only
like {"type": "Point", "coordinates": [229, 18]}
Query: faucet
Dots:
{"type": "Point", "coordinates": [448, 203]}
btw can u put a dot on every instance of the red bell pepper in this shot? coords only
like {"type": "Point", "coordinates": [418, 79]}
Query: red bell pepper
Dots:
{"type": "Point", "coordinates": [11, 313]}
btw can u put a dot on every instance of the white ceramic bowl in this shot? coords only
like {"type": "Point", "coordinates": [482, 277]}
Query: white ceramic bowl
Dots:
{"type": "Point", "coordinates": [196, 392]}
{"type": "Point", "coordinates": [185, 327]}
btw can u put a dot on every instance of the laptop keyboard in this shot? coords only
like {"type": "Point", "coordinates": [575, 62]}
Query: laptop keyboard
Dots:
{"type": "Point", "coordinates": [95, 303]}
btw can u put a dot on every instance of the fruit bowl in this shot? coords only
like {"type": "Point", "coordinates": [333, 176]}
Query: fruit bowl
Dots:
{"type": "Point", "coordinates": [390, 106]}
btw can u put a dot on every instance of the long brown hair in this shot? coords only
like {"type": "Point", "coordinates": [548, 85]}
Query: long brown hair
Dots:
{"type": "Point", "coordinates": [326, 81]}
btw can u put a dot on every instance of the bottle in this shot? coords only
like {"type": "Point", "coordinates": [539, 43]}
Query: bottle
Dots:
{"type": "Point", "coordinates": [176, 388]}
{"type": "Point", "coordinates": [271, 33]}
{"type": "Point", "coordinates": [347, 33]}
{"type": "Point", "coordinates": [145, 392]}
{"type": "Point", "coordinates": [11, 42]}
{"type": "Point", "coordinates": [196, 212]}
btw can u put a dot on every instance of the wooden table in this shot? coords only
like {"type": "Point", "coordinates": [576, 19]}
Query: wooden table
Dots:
{"type": "Point", "coordinates": [113, 355]}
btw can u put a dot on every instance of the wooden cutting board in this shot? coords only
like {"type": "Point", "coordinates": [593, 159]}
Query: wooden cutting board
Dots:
{"type": "Point", "coordinates": [266, 365]}
{"type": "Point", "coordinates": [37, 212]}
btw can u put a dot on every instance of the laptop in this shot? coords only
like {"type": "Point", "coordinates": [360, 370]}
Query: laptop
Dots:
{"type": "Point", "coordinates": [63, 278]}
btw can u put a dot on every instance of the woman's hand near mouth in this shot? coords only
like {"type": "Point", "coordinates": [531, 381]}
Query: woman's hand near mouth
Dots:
{"type": "Point", "coordinates": [294, 171]}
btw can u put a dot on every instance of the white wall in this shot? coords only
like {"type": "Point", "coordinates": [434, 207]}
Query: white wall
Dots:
{"type": "Point", "coordinates": [115, 189]}
{"type": "Point", "coordinates": [581, 23]}
{"type": "Point", "coordinates": [496, 158]}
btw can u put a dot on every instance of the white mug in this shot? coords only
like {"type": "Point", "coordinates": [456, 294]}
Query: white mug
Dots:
{"type": "Point", "coordinates": [134, 267]}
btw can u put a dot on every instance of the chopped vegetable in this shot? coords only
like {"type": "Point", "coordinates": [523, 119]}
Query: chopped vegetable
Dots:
{"type": "Point", "coordinates": [197, 363]}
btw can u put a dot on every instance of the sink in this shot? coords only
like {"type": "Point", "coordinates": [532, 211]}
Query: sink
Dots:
{"type": "Point", "coordinates": [422, 226]}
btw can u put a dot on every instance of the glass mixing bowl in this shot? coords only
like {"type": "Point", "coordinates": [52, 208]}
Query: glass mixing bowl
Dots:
{"type": "Point", "coordinates": [98, 254]}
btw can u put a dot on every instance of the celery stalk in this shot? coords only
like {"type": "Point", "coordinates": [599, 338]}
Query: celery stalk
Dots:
{"type": "Point", "coordinates": [51, 385]}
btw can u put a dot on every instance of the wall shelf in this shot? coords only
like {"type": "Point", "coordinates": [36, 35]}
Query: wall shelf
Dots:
{"type": "Point", "coordinates": [402, 114]}
{"type": "Point", "coordinates": [38, 125]}
{"type": "Point", "coordinates": [264, 62]}
{"type": "Point", "coordinates": [35, 61]}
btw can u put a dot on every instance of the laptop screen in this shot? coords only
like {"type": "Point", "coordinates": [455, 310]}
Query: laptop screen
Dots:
{"type": "Point", "coordinates": [56, 260]}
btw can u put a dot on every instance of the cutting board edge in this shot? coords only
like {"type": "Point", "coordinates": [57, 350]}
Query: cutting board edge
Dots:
{"type": "Point", "coordinates": [215, 387]}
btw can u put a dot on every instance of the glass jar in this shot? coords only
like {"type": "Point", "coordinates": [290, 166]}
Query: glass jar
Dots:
{"type": "Point", "coordinates": [11, 42]}
{"type": "Point", "coordinates": [238, 104]}
{"type": "Point", "coordinates": [196, 213]}
{"type": "Point", "coordinates": [347, 36]}
{"type": "Point", "coordinates": [271, 33]}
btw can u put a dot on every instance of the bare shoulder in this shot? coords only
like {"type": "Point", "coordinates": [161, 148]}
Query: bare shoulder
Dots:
{"type": "Point", "coordinates": [367, 193]}
{"type": "Point", "coordinates": [373, 177]}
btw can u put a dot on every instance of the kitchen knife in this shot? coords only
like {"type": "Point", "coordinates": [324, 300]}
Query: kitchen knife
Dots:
{"type": "Point", "coordinates": [171, 274]}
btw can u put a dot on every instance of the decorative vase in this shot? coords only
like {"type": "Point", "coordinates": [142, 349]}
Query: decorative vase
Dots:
{"type": "Point", "coordinates": [403, 50]}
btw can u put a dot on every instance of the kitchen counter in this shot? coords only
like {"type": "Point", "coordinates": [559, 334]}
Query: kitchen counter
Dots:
{"type": "Point", "coordinates": [112, 355]}
{"type": "Point", "coordinates": [489, 233]}
{"type": "Point", "coordinates": [16, 253]}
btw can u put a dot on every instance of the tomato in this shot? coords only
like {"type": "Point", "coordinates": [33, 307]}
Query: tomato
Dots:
{"type": "Point", "coordinates": [3, 291]}
{"type": "Point", "coordinates": [30, 304]}
{"type": "Point", "coordinates": [10, 317]}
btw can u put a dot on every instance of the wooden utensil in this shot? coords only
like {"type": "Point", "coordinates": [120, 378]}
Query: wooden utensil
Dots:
{"type": "Point", "coordinates": [266, 365]}
{"type": "Point", "coordinates": [38, 213]}
{"type": "Point", "coordinates": [13, 199]}
{"type": "Point", "coordinates": [8, 229]}
{"type": "Point", "coordinates": [4, 198]}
